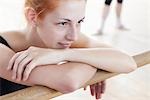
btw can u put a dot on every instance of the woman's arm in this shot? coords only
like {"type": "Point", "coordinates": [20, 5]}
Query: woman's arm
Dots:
{"type": "Point", "coordinates": [100, 55]}
{"type": "Point", "coordinates": [108, 59]}
{"type": "Point", "coordinates": [64, 78]}
{"type": "Point", "coordinates": [93, 53]}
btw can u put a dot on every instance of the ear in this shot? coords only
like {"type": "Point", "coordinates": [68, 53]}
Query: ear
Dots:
{"type": "Point", "coordinates": [31, 16]}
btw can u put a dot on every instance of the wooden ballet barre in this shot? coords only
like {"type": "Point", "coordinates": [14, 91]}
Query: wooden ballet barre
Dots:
{"type": "Point", "coordinates": [44, 93]}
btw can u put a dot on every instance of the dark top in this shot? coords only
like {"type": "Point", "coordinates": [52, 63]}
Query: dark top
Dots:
{"type": "Point", "coordinates": [5, 85]}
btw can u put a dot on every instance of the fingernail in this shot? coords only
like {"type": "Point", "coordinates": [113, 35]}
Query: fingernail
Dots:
{"type": "Point", "coordinates": [98, 96]}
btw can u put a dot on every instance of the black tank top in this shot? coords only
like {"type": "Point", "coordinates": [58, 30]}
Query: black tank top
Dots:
{"type": "Point", "coordinates": [5, 85]}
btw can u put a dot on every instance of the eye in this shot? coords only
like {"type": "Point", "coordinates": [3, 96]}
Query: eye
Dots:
{"type": "Point", "coordinates": [81, 21]}
{"type": "Point", "coordinates": [63, 23]}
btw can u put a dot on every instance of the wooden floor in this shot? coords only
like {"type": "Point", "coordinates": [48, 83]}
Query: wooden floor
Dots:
{"type": "Point", "coordinates": [136, 17]}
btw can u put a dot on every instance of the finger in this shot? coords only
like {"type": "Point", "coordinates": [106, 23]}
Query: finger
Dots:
{"type": "Point", "coordinates": [98, 91]}
{"type": "Point", "coordinates": [12, 60]}
{"type": "Point", "coordinates": [18, 60]}
{"type": "Point", "coordinates": [28, 70]}
{"type": "Point", "coordinates": [103, 86]}
{"type": "Point", "coordinates": [12, 64]}
{"type": "Point", "coordinates": [22, 66]}
{"type": "Point", "coordinates": [92, 89]}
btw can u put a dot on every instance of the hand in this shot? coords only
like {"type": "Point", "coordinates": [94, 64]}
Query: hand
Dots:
{"type": "Point", "coordinates": [22, 63]}
{"type": "Point", "coordinates": [97, 89]}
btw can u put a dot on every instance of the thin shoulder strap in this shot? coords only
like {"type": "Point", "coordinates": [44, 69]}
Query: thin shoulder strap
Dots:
{"type": "Point", "coordinates": [3, 41]}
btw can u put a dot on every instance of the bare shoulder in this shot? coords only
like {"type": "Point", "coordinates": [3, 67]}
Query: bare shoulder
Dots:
{"type": "Point", "coordinates": [16, 40]}
{"type": "Point", "coordinates": [85, 41]}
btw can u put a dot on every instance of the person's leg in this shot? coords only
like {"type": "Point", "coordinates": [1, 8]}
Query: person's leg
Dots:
{"type": "Point", "coordinates": [104, 15]}
{"type": "Point", "coordinates": [118, 14]}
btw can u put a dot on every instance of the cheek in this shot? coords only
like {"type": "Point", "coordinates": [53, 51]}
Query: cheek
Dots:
{"type": "Point", "coordinates": [59, 33]}
{"type": "Point", "coordinates": [52, 38]}
{"type": "Point", "coordinates": [49, 40]}
{"type": "Point", "coordinates": [52, 34]}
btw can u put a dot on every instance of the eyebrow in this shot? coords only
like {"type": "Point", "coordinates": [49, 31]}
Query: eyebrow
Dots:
{"type": "Point", "coordinates": [70, 20]}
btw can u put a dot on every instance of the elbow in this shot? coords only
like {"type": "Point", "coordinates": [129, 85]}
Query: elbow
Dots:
{"type": "Point", "coordinates": [69, 85]}
{"type": "Point", "coordinates": [129, 69]}
{"type": "Point", "coordinates": [131, 66]}
{"type": "Point", "coordinates": [69, 89]}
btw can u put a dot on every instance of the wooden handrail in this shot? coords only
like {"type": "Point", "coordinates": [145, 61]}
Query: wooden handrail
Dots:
{"type": "Point", "coordinates": [44, 93]}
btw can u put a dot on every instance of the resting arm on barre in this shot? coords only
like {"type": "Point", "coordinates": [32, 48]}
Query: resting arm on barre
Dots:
{"type": "Point", "coordinates": [71, 76]}
{"type": "Point", "coordinates": [102, 57]}
{"type": "Point", "coordinates": [64, 78]}
{"type": "Point", "coordinates": [107, 59]}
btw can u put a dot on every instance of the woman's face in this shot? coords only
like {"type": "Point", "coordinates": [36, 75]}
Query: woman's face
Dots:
{"type": "Point", "coordinates": [60, 28]}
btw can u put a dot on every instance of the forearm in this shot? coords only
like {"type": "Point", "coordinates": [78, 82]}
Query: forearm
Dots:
{"type": "Point", "coordinates": [107, 59]}
{"type": "Point", "coordinates": [64, 78]}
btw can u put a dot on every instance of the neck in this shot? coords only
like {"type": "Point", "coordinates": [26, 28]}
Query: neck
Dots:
{"type": "Point", "coordinates": [32, 37]}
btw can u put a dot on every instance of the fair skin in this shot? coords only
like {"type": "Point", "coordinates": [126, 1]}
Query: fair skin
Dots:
{"type": "Point", "coordinates": [43, 44]}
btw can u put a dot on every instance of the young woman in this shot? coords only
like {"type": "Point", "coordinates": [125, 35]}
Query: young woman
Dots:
{"type": "Point", "coordinates": [52, 52]}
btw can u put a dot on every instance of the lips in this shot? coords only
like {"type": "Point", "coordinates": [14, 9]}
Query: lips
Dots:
{"type": "Point", "coordinates": [64, 45]}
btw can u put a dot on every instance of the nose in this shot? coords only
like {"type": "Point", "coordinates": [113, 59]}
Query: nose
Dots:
{"type": "Point", "coordinates": [72, 33]}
